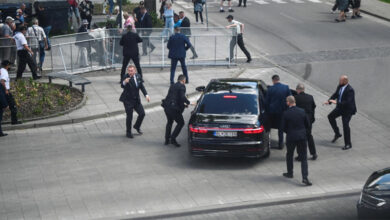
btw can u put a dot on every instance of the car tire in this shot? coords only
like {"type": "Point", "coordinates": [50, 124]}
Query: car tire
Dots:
{"type": "Point", "coordinates": [267, 144]}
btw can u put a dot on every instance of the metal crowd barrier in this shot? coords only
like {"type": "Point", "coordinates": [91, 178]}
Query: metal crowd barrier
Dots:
{"type": "Point", "coordinates": [100, 49]}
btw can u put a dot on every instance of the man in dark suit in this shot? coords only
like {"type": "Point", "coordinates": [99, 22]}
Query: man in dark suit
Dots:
{"type": "Point", "coordinates": [131, 84]}
{"type": "Point", "coordinates": [295, 124]}
{"type": "Point", "coordinates": [186, 30]}
{"type": "Point", "coordinates": [3, 106]}
{"type": "Point", "coordinates": [137, 11]}
{"type": "Point", "coordinates": [275, 102]}
{"type": "Point", "coordinates": [174, 105]}
{"type": "Point", "coordinates": [178, 44]}
{"type": "Point", "coordinates": [344, 98]}
{"type": "Point", "coordinates": [130, 41]}
{"type": "Point", "coordinates": [306, 102]}
{"type": "Point", "coordinates": [146, 24]}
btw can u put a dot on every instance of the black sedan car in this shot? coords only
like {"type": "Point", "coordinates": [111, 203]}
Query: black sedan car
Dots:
{"type": "Point", "coordinates": [228, 120]}
{"type": "Point", "coordinates": [374, 200]}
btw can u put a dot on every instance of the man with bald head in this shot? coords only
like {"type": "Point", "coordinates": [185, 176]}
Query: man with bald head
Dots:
{"type": "Point", "coordinates": [344, 99]}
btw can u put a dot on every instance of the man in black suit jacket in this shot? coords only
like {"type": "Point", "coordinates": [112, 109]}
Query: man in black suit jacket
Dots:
{"type": "Point", "coordinates": [344, 98]}
{"type": "Point", "coordinates": [306, 102]}
{"type": "Point", "coordinates": [295, 124]}
{"type": "Point", "coordinates": [174, 105]}
{"type": "Point", "coordinates": [146, 24]}
{"type": "Point", "coordinates": [130, 41]}
{"type": "Point", "coordinates": [131, 85]}
{"type": "Point", "coordinates": [186, 30]}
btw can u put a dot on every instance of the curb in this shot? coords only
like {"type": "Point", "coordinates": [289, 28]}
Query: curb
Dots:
{"type": "Point", "coordinates": [375, 15]}
{"type": "Point", "coordinates": [237, 206]}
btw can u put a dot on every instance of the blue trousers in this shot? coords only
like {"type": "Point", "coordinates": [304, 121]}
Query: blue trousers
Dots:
{"type": "Point", "coordinates": [183, 67]}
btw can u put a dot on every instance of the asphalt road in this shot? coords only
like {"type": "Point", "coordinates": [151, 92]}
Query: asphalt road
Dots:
{"type": "Point", "coordinates": [304, 38]}
{"type": "Point", "coordinates": [335, 208]}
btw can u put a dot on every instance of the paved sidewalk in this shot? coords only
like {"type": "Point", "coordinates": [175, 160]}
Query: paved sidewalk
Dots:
{"type": "Point", "coordinates": [104, 91]}
{"type": "Point", "coordinates": [376, 7]}
{"type": "Point", "coordinates": [91, 170]}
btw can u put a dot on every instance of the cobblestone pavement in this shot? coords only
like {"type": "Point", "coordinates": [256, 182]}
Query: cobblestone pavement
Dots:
{"type": "Point", "coordinates": [336, 208]}
{"type": "Point", "coordinates": [91, 170]}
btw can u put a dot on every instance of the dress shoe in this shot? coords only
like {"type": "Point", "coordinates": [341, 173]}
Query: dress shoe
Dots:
{"type": "Point", "coordinates": [151, 50]}
{"type": "Point", "coordinates": [194, 57]}
{"type": "Point", "coordinates": [174, 142]}
{"type": "Point", "coordinates": [249, 60]}
{"type": "Point", "coordinates": [297, 159]}
{"type": "Point", "coordinates": [231, 10]}
{"type": "Point", "coordinates": [280, 147]}
{"type": "Point", "coordinates": [3, 134]}
{"type": "Point", "coordinates": [306, 182]}
{"type": "Point", "coordinates": [138, 130]}
{"type": "Point", "coordinates": [16, 123]}
{"type": "Point", "coordinates": [166, 142]}
{"type": "Point", "coordinates": [37, 77]}
{"type": "Point", "coordinates": [314, 157]}
{"type": "Point", "coordinates": [221, 10]}
{"type": "Point", "coordinates": [288, 175]}
{"type": "Point", "coordinates": [129, 135]}
{"type": "Point", "coordinates": [337, 136]}
{"type": "Point", "coordinates": [346, 147]}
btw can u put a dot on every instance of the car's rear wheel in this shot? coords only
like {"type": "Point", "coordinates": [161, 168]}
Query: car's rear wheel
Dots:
{"type": "Point", "coordinates": [267, 144]}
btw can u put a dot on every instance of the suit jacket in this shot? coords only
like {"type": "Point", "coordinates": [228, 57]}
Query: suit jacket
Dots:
{"type": "Point", "coordinates": [185, 24]}
{"type": "Point", "coordinates": [146, 22]}
{"type": "Point", "coordinates": [306, 102]}
{"type": "Point", "coordinates": [295, 124]}
{"type": "Point", "coordinates": [176, 97]}
{"type": "Point", "coordinates": [131, 91]}
{"type": "Point", "coordinates": [275, 99]}
{"type": "Point", "coordinates": [177, 45]}
{"type": "Point", "coordinates": [347, 106]}
{"type": "Point", "coordinates": [130, 41]}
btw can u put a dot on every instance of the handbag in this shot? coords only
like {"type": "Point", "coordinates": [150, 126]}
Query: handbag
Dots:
{"type": "Point", "coordinates": [41, 43]}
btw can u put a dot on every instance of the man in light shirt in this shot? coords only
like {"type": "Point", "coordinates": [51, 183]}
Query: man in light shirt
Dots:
{"type": "Point", "coordinates": [237, 31]}
{"type": "Point", "coordinates": [37, 41]}
{"type": "Point", "coordinates": [5, 84]}
{"type": "Point", "coordinates": [25, 54]}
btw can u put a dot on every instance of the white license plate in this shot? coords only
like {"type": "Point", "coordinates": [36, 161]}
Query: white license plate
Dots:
{"type": "Point", "coordinates": [225, 134]}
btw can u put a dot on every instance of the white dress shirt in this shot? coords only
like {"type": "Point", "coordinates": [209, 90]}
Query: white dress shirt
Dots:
{"type": "Point", "coordinates": [4, 76]}
{"type": "Point", "coordinates": [20, 40]}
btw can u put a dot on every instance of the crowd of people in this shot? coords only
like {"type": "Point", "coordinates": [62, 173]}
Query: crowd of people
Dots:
{"type": "Point", "coordinates": [343, 7]}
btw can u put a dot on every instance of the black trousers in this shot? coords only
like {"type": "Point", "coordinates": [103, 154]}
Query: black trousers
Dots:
{"type": "Point", "coordinates": [274, 120]}
{"type": "Point", "coordinates": [240, 1]}
{"type": "Point", "coordinates": [200, 15]}
{"type": "Point", "coordinates": [183, 68]}
{"type": "Point", "coordinates": [302, 154]}
{"type": "Point", "coordinates": [1, 119]}
{"type": "Point", "coordinates": [129, 107]}
{"type": "Point", "coordinates": [240, 41]}
{"type": "Point", "coordinates": [12, 107]}
{"type": "Point", "coordinates": [310, 141]}
{"type": "Point", "coordinates": [345, 118]}
{"type": "Point", "coordinates": [25, 58]}
{"type": "Point", "coordinates": [173, 115]}
{"type": "Point", "coordinates": [126, 61]}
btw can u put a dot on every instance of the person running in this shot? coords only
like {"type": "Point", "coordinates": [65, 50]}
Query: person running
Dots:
{"type": "Point", "coordinates": [237, 38]}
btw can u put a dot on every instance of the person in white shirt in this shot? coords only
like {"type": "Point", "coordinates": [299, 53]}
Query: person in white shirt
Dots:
{"type": "Point", "coordinates": [5, 84]}
{"type": "Point", "coordinates": [237, 31]}
{"type": "Point", "coordinates": [24, 54]}
{"type": "Point", "coordinates": [37, 41]}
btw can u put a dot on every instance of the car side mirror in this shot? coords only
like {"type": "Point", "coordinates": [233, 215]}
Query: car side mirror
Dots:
{"type": "Point", "coordinates": [200, 88]}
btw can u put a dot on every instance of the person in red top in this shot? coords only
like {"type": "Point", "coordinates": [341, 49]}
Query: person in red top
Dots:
{"type": "Point", "coordinates": [73, 8]}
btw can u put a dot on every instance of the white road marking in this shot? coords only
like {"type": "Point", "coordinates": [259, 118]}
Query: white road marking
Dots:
{"type": "Point", "coordinates": [315, 1]}
{"type": "Point", "coordinates": [279, 1]}
{"type": "Point", "coordinates": [297, 1]}
{"type": "Point", "coordinates": [261, 2]}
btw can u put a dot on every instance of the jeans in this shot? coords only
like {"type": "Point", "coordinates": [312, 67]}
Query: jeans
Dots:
{"type": "Point", "coordinates": [168, 30]}
{"type": "Point", "coordinates": [183, 67]}
{"type": "Point", "coordinates": [111, 4]}
{"type": "Point", "coordinates": [12, 107]}
{"type": "Point", "coordinates": [47, 32]}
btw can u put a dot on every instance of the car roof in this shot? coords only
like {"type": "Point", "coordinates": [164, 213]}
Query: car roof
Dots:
{"type": "Point", "coordinates": [230, 85]}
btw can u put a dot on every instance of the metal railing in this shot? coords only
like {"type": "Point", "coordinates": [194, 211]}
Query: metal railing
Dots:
{"type": "Point", "coordinates": [100, 49]}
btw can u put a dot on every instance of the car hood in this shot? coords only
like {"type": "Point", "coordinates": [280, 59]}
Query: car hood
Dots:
{"type": "Point", "coordinates": [225, 119]}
